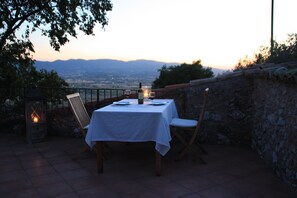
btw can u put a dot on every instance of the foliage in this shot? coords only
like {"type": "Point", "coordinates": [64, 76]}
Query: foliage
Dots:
{"type": "Point", "coordinates": [181, 74]}
{"type": "Point", "coordinates": [16, 64]}
{"type": "Point", "coordinates": [284, 52]}
{"type": "Point", "coordinates": [17, 69]}
{"type": "Point", "coordinates": [55, 18]}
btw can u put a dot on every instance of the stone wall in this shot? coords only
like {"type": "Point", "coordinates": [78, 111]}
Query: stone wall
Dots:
{"type": "Point", "coordinates": [228, 114]}
{"type": "Point", "coordinates": [274, 133]}
{"type": "Point", "coordinates": [256, 107]}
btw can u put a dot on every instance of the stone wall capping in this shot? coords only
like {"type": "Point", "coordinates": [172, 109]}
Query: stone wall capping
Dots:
{"type": "Point", "coordinates": [158, 90]}
{"type": "Point", "coordinates": [290, 64]}
{"type": "Point", "coordinates": [230, 75]}
{"type": "Point", "coordinates": [278, 73]}
{"type": "Point", "coordinates": [269, 68]}
{"type": "Point", "coordinates": [260, 66]}
{"type": "Point", "coordinates": [266, 65]}
{"type": "Point", "coordinates": [268, 72]}
{"type": "Point", "coordinates": [250, 71]}
{"type": "Point", "coordinates": [280, 70]}
{"type": "Point", "coordinates": [203, 81]}
{"type": "Point", "coordinates": [283, 72]}
{"type": "Point", "coordinates": [177, 86]}
{"type": "Point", "coordinates": [291, 71]}
{"type": "Point", "coordinates": [287, 75]}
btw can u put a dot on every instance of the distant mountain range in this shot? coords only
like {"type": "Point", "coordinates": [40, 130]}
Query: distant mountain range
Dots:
{"type": "Point", "coordinates": [106, 66]}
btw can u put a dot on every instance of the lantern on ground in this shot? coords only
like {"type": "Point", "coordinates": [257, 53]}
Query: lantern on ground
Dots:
{"type": "Point", "coordinates": [35, 112]}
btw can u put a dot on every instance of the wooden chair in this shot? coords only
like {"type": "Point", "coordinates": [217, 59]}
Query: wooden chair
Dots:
{"type": "Point", "coordinates": [178, 126]}
{"type": "Point", "coordinates": [81, 115]}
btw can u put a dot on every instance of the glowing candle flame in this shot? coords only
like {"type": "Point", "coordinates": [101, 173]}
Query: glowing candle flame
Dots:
{"type": "Point", "coordinates": [35, 119]}
{"type": "Point", "coordinates": [146, 93]}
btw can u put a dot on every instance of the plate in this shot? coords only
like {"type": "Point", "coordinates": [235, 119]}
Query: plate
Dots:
{"type": "Point", "coordinates": [121, 103]}
{"type": "Point", "coordinates": [157, 103]}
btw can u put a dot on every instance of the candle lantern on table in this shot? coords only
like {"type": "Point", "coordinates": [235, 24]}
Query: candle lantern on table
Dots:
{"type": "Point", "coordinates": [146, 92]}
{"type": "Point", "coordinates": [35, 112]}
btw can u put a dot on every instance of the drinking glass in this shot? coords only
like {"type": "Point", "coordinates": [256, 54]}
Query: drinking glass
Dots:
{"type": "Point", "coordinates": [127, 93]}
{"type": "Point", "coordinates": [152, 95]}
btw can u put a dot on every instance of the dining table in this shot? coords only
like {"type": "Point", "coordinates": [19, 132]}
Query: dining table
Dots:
{"type": "Point", "coordinates": [128, 121]}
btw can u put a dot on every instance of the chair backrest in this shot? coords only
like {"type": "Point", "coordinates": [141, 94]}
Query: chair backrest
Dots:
{"type": "Point", "coordinates": [79, 110]}
{"type": "Point", "coordinates": [205, 99]}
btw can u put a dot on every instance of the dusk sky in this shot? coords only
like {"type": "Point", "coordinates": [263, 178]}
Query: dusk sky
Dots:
{"type": "Point", "coordinates": [219, 32]}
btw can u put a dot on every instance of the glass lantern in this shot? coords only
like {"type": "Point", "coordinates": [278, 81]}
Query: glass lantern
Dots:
{"type": "Point", "coordinates": [35, 111]}
{"type": "Point", "coordinates": [146, 92]}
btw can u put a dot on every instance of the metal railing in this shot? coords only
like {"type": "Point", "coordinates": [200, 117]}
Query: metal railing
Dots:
{"type": "Point", "coordinates": [57, 98]}
{"type": "Point", "coordinates": [12, 100]}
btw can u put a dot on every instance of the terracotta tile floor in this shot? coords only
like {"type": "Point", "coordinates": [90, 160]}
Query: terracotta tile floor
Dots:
{"type": "Point", "coordinates": [47, 170]}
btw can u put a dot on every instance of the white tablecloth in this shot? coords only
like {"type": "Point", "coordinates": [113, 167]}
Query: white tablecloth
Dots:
{"type": "Point", "coordinates": [133, 123]}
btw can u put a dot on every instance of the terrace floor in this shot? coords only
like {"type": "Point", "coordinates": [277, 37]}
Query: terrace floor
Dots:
{"type": "Point", "coordinates": [47, 170]}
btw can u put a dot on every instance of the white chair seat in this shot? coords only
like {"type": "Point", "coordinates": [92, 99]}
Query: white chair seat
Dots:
{"type": "Point", "coordinates": [179, 122]}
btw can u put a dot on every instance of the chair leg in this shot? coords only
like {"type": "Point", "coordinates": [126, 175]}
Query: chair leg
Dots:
{"type": "Point", "coordinates": [202, 149]}
{"type": "Point", "coordinates": [197, 154]}
{"type": "Point", "coordinates": [183, 152]}
{"type": "Point", "coordinates": [200, 159]}
{"type": "Point", "coordinates": [186, 149]}
{"type": "Point", "coordinates": [84, 149]}
{"type": "Point", "coordinates": [181, 139]}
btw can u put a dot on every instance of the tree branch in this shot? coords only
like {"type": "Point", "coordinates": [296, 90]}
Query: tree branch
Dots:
{"type": "Point", "coordinates": [16, 23]}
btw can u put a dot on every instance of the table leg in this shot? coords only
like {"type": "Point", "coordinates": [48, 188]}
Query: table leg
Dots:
{"type": "Point", "coordinates": [99, 157]}
{"type": "Point", "coordinates": [158, 164]}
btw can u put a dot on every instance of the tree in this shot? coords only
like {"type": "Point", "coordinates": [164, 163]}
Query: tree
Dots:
{"type": "Point", "coordinates": [181, 74]}
{"type": "Point", "coordinates": [17, 68]}
{"type": "Point", "coordinates": [55, 18]}
{"type": "Point", "coordinates": [16, 64]}
{"type": "Point", "coordinates": [284, 52]}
